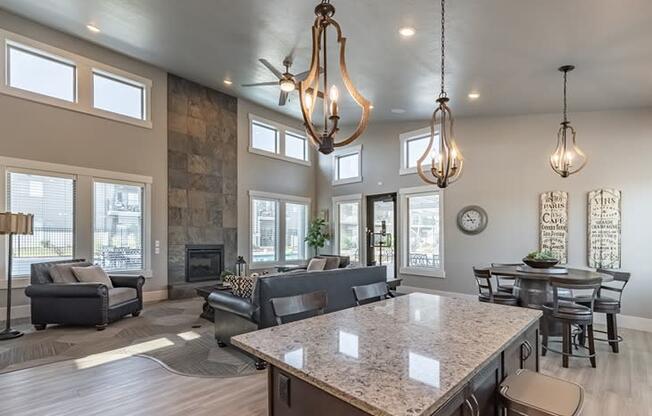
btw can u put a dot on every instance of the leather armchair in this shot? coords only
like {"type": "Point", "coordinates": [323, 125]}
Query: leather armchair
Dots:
{"type": "Point", "coordinates": [81, 303]}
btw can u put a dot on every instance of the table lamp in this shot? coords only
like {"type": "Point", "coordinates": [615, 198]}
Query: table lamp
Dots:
{"type": "Point", "coordinates": [11, 224]}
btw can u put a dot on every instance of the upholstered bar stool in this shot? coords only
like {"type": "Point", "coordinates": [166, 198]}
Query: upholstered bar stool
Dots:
{"type": "Point", "coordinates": [534, 394]}
{"type": "Point", "coordinates": [487, 292]}
{"type": "Point", "coordinates": [572, 305]}
{"type": "Point", "coordinates": [505, 284]}
{"type": "Point", "coordinates": [610, 305]}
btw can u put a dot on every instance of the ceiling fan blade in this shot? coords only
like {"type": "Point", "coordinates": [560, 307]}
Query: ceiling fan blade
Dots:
{"type": "Point", "coordinates": [261, 84]}
{"type": "Point", "coordinates": [319, 93]}
{"type": "Point", "coordinates": [303, 75]}
{"type": "Point", "coordinates": [269, 66]}
{"type": "Point", "coordinates": [282, 98]}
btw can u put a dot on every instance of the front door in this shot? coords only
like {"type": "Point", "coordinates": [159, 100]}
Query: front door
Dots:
{"type": "Point", "coordinates": [381, 232]}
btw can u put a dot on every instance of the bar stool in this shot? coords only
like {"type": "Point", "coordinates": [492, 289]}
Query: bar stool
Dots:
{"type": "Point", "coordinates": [308, 303]}
{"type": "Point", "coordinates": [571, 309]}
{"type": "Point", "coordinates": [486, 291]}
{"type": "Point", "coordinates": [370, 293]}
{"type": "Point", "coordinates": [611, 306]}
{"type": "Point", "coordinates": [501, 280]}
{"type": "Point", "coordinates": [534, 394]}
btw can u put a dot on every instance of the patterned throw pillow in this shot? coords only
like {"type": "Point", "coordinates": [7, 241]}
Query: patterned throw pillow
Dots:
{"type": "Point", "coordinates": [242, 286]}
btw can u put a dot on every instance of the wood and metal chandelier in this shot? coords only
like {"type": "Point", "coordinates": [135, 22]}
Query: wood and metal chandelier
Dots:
{"type": "Point", "coordinates": [309, 89]}
{"type": "Point", "coordinates": [567, 158]}
{"type": "Point", "coordinates": [441, 163]}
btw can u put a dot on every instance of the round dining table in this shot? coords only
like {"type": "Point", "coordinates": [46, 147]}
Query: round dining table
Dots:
{"type": "Point", "coordinates": [532, 287]}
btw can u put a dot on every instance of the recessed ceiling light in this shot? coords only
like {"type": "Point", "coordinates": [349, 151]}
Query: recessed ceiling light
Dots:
{"type": "Point", "coordinates": [93, 28]}
{"type": "Point", "coordinates": [228, 82]}
{"type": "Point", "coordinates": [397, 110]}
{"type": "Point", "coordinates": [474, 95]}
{"type": "Point", "coordinates": [407, 31]}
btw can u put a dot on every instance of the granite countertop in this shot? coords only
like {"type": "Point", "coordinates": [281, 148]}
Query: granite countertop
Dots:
{"type": "Point", "coordinates": [399, 357]}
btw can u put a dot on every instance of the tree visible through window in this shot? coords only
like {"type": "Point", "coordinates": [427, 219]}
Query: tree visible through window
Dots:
{"type": "Point", "coordinates": [118, 226]}
{"type": "Point", "coordinates": [51, 199]}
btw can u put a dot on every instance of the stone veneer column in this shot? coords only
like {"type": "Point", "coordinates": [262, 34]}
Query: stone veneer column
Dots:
{"type": "Point", "coordinates": [202, 175]}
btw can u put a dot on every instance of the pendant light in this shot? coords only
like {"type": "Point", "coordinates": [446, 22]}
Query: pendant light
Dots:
{"type": "Point", "coordinates": [309, 89]}
{"type": "Point", "coordinates": [441, 164]}
{"type": "Point", "coordinates": [567, 158]}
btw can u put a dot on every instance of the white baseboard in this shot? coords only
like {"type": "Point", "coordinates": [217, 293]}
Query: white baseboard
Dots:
{"type": "Point", "coordinates": [20, 311]}
{"type": "Point", "coordinates": [155, 296]}
{"type": "Point", "coordinates": [624, 321]}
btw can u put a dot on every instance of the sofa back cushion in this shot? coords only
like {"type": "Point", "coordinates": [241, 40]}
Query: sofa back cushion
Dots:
{"type": "Point", "coordinates": [337, 283]}
{"type": "Point", "coordinates": [63, 273]}
{"type": "Point", "coordinates": [332, 262]}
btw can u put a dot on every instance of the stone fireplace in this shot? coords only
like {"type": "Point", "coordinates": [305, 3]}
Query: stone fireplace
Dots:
{"type": "Point", "coordinates": [202, 186]}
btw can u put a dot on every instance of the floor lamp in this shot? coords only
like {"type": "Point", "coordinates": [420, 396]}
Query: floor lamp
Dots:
{"type": "Point", "coordinates": [11, 224]}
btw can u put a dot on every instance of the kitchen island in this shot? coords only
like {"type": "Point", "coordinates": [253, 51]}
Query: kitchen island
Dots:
{"type": "Point", "coordinates": [413, 355]}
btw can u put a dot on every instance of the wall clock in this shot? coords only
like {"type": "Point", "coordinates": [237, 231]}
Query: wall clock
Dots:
{"type": "Point", "coordinates": [472, 220]}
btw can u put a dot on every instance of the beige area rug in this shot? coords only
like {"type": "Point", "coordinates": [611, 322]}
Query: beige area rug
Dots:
{"type": "Point", "coordinates": [171, 332]}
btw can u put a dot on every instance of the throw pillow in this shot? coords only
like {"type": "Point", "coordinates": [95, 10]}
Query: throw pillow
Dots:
{"type": "Point", "coordinates": [316, 265]}
{"type": "Point", "coordinates": [242, 286]}
{"type": "Point", "coordinates": [62, 272]}
{"type": "Point", "coordinates": [92, 274]}
{"type": "Point", "coordinates": [332, 262]}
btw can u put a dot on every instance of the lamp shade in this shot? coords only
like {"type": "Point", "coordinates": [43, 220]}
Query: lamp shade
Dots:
{"type": "Point", "coordinates": [11, 223]}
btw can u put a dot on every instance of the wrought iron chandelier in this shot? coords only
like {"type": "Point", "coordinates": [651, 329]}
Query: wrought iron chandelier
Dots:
{"type": "Point", "coordinates": [441, 165]}
{"type": "Point", "coordinates": [309, 89]}
{"type": "Point", "coordinates": [567, 158]}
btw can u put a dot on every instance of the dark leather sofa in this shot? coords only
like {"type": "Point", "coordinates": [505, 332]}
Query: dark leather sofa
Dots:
{"type": "Point", "coordinates": [81, 303]}
{"type": "Point", "coordinates": [235, 315]}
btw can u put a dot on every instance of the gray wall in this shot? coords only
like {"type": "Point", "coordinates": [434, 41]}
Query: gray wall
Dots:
{"type": "Point", "coordinates": [40, 132]}
{"type": "Point", "coordinates": [261, 173]}
{"type": "Point", "coordinates": [506, 167]}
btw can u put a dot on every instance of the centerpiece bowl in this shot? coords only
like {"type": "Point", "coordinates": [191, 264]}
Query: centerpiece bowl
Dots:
{"type": "Point", "coordinates": [540, 263]}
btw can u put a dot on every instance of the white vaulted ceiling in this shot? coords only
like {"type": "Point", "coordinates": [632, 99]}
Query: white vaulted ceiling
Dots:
{"type": "Point", "coordinates": [507, 50]}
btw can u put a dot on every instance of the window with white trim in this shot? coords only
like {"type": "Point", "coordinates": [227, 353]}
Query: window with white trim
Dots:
{"type": "Point", "coordinates": [118, 225]}
{"type": "Point", "coordinates": [347, 224]}
{"type": "Point", "coordinates": [413, 146]}
{"type": "Point", "coordinates": [279, 224]}
{"type": "Point", "coordinates": [51, 198]}
{"type": "Point", "coordinates": [422, 244]}
{"type": "Point", "coordinates": [268, 138]}
{"type": "Point", "coordinates": [38, 72]}
{"type": "Point", "coordinates": [347, 165]}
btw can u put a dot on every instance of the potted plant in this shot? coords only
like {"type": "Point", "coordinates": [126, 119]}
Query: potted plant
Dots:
{"type": "Point", "coordinates": [543, 259]}
{"type": "Point", "coordinates": [317, 234]}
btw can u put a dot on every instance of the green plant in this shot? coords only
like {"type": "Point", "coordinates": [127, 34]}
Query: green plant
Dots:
{"type": "Point", "coordinates": [541, 255]}
{"type": "Point", "coordinates": [226, 273]}
{"type": "Point", "coordinates": [317, 234]}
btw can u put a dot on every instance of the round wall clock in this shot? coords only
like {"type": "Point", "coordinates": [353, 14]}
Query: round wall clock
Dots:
{"type": "Point", "coordinates": [472, 219]}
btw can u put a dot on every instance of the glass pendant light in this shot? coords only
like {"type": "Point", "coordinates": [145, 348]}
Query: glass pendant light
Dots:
{"type": "Point", "coordinates": [567, 158]}
{"type": "Point", "coordinates": [441, 163]}
{"type": "Point", "coordinates": [310, 88]}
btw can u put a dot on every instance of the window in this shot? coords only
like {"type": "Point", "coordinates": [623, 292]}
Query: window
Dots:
{"type": "Point", "coordinates": [118, 96]}
{"type": "Point", "coordinates": [347, 212]}
{"type": "Point", "coordinates": [51, 199]}
{"type": "Point", "coordinates": [422, 231]}
{"type": "Point", "coordinates": [279, 224]}
{"type": "Point", "coordinates": [118, 226]}
{"type": "Point", "coordinates": [268, 138]}
{"type": "Point", "coordinates": [413, 146]}
{"type": "Point", "coordinates": [41, 73]}
{"type": "Point", "coordinates": [347, 165]}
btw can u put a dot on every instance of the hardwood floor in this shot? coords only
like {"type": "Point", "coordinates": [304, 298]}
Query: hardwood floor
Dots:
{"type": "Point", "coordinates": [621, 385]}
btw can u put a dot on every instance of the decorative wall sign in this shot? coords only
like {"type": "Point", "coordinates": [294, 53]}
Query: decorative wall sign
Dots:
{"type": "Point", "coordinates": [553, 224]}
{"type": "Point", "coordinates": [604, 225]}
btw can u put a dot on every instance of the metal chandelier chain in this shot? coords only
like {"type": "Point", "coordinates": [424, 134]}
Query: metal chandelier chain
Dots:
{"type": "Point", "coordinates": [565, 106]}
{"type": "Point", "coordinates": [443, 45]}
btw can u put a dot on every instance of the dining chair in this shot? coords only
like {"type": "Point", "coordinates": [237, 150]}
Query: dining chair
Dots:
{"type": "Point", "coordinates": [611, 305]}
{"type": "Point", "coordinates": [370, 293]}
{"type": "Point", "coordinates": [486, 292]}
{"type": "Point", "coordinates": [308, 303]}
{"type": "Point", "coordinates": [572, 306]}
{"type": "Point", "coordinates": [505, 284]}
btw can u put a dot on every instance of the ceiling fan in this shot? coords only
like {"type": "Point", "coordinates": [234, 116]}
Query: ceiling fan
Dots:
{"type": "Point", "coordinates": [286, 80]}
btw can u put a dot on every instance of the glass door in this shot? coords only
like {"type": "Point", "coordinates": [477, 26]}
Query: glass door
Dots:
{"type": "Point", "coordinates": [381, 232]}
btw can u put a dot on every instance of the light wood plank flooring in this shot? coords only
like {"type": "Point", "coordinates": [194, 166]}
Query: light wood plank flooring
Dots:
{"type": "Point", "coordinates": [621, 385]}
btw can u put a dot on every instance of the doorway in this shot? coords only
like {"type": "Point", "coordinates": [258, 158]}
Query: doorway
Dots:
{"type": "Point", "coordinates": [381, 232]}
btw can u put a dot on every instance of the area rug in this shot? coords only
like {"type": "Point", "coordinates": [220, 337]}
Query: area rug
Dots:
{"type": "Point", "coordinates": [170, 332]}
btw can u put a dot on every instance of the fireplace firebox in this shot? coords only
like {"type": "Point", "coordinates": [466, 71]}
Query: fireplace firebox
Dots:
{"type": "Point", "coordinates": [204, 262]}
